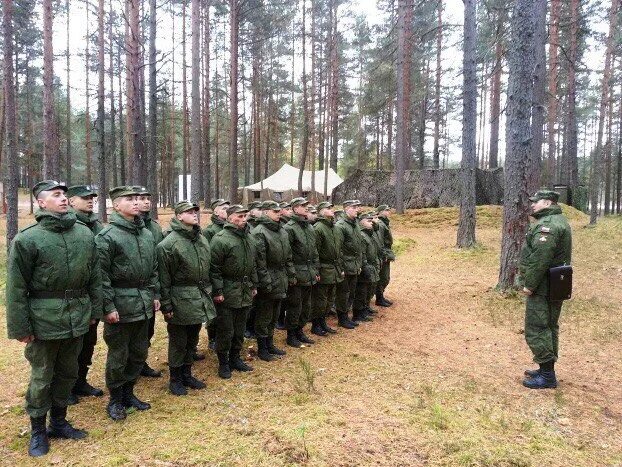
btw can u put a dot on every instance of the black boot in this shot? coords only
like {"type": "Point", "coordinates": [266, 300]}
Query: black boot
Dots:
{"type": "Point", "coordinates": [130, 399]}
{"type": "Point", "coordinates": [545, 379]}
{"type": "Point", "coordinates": [115, 408]}
{"type": "Point", "coordinates": [39, 443]}
{"type": "Point", "coordinates": [272, 349]}
{"type": "Point", "coordinates": [370, 311]}
{"type": "Point", "coordinates": [533, 373]}
{"type": "Point", "coordinates": [317, 329]}
{"type": "Point", "coordinates": [326, 327]}
{"type": "Point", "coordinates": [83, 388]}
{"type": "Point", "coordinates": [292, 339]}
{"type": "Point", "coordinates": [302, 337]}
{"type": "Point", "coordinates": [196, 356]}
{"type": "Point", "coordinates": [262, 349]}
{"type": "Point", "coordinates": [60, 427]}
{"type": "Point", "coordinates": [211, 344]}
{"type": "Point", "coordinates": [190, 381]}
{"type": "Point", "coordinates": [150, 372]}
{"type": "Point", "coordinates": [175, 385]}
{"type": "Point", "coordinates": [236, 363]}
{"type": "Point", "coordinates": [344, 322]}
{"type": "Point", "coordinates": [224, 371]}
{"type": "Point", "coordinates": [73, 399]}
{"type": "Point", "coordinates": [360, 316]}
{"type": "Point", "coordinates": [280, 322]}
{"type": "Point", "coordinates": [381, 301]}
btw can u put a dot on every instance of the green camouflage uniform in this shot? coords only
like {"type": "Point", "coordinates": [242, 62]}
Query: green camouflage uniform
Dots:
{"type": "Point", "coordinates": [384, 232]}
{"type": "Point", "coordinates": [366, 282]}
{"type": "Point", "coordinates": [328, 242]}
{"type": "Point", "coordinates": [353, 262]}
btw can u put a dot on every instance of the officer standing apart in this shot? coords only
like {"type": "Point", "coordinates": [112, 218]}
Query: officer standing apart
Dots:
{"type": "Point", "coordinates": [368, 277]}
{"type": "Point", "coordinates": [353, 259]}
{"type": "Point", "coordinates": [234, 278]}
{"type": "Point", "coordinates": [144, 204]}
{"type": "Point", "coordinates": [185, 288]}
{"type": "Point", "coordinates": [275, 272]}
{"type": "Point", "coordinates": [548, 244]}
{"type": "Point", "coordinates": [53, 294]}
{"type": "Point", "coordinates": [130, 294]}
{"type": "Point", "coordinates": [306, 263]}
{"type": "Point", "coordinates": [82, 200]}
{"type": "Point", "coordinates": [328, 242]}
{"type": "Point", "coordinates": [388, 256]}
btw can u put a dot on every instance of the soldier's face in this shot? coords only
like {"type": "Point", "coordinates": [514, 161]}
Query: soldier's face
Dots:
{"type": "Point", "coordinates": [144, 203]}
{"type": "Point", "coordinates": [302, 211]}
{"type": "Point", "coordinates": [82, 203]}
{"type": "Point", "coordinates": [190, 217]}
{"type": "Point", "coordinates": [221, 211]}
{"type": "Point", "coordinates": [351, 211]}
{"type": "Point", "coordinates": [327, 212]}
{"type": "Point", "coordinates": [286, 212]}
{"type": "Point", "coordinates": [127, 206]}
{"type": "Point", "coordinates": [53, 201]}
{"type": "Point", "coordinates": [540, 205]}
{"type": "Point", "coordinates": [256, 212]}
{"type": "Point", "coordinates": [312, 217]}
{"type": "Point", "coordinates": [238, 219]}
{"type": "Point", "coordinates": [366, 223]}
{"type": "Point", "coordinates": [384, 213]}
{"type": "Point", "coordinates": [273, 214]}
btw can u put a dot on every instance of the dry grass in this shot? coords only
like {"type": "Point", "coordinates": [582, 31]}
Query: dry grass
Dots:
{"type": "Point", "coordinates": [433, 380]}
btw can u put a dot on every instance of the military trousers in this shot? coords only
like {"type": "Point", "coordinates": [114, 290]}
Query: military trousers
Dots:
{"type": "Point", "coordinates": [85, 359]}
{"type": "Point", "coordinates": [542, 328]}
{"type": "Point", "coordinates": [230, 326]}
{"type": "Point", "coordinates": [346, 290]}
{"type": "Point", "coordinates": [128, 344]}
{"type": "Point", "coordinates": [267, 311]}
{"type": "Point", "coordinates": [298, 306]}
{"type": "Point", "coordinates": [364, 292]}
{"type": "Point", "coordinates": [53, 373]}
{"type": "Point", "coordinates": [151, 331]}
{"type": "Point", "coordinates": [182, 342]}
{"type": "Point", "coordinates": [385, 277]}
{"type": "Point", "coordinates": [323, 299]}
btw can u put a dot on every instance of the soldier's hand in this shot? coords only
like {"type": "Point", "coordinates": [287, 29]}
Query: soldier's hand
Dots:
{"type": "Point", "coordinates": [343, 274]}
{"type": "Point", "coordinates": [527, 292]}
{"type": "Point", "coordinates": [26, 339]}
{"type": "Point", "coordinates": [219, 298]}
{"type": "Point", "coordinates": [254, 292]}
{"type": "Point", "coordinates": [168, 315]}
{"type": "Point", "coordinates": [112, 317]}
{"type": "Point", "coordinates": [317, 278]}
{"type": "Point", "coordinates": [93, 321]}
{"type": "Point", "coordinates": [156, 305]}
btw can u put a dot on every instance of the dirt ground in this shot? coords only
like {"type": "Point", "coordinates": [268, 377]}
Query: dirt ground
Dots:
{"type": "Point", "coordinates": [434, 380]}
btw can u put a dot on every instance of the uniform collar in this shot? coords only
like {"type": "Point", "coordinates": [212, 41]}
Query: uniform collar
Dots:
{"type": "Point", "coordinates": [133, 226]}
{"type": "Point", "coordinates": [553, 209]}
{"type": "Point", "coordinates": [55, 222]}
{"type": "Point", "coordinates": [186, 231]}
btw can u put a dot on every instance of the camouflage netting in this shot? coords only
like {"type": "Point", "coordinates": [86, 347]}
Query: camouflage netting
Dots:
{"type": "Point", "coordinates": [422, 189]}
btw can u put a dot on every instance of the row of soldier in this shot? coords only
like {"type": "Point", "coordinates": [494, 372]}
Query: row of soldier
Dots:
{"type": "Point", "coordinates": [288, 261]}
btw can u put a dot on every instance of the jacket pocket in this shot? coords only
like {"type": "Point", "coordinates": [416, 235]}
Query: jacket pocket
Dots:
{"type": "Point", "coordinates": [49, 318]}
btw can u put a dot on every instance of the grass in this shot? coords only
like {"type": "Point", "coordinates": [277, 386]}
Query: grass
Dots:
{"type": "Point", "coordinates": [434, 380]}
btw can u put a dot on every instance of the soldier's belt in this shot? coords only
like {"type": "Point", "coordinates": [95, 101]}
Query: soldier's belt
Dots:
{"type": "Point", "coordinates": [62, 294]}
{"type": "Point", "coordinates": [130, 285]}
{"type": "Point", "coordinates": [199, 284]}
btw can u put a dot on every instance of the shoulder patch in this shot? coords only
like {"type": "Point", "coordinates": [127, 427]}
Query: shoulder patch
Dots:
{"type": "Point", "coordinates": [545, 229]}
{"type": "Point", "coordinates": [542, 238]}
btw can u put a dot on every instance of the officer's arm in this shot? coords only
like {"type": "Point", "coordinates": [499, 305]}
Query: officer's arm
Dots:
{"type": "Point", "coordinates": [166, 268]}
{"type": "Point", "coordinates": [105, 251]}
{"type": "Point", "coordinates": [263, 275]}
{"type": "Point", "coordinates": [315, 256]}
{"type": "Point", "coordinates": [22, 257]}
{"type": "Point", "coordinates": [216, 263]}
{"type": "Point", "coordinates": [254, 277]}
{"type": "Point", "coordinates": [539, 261]}
{"type": "Point", "coordinates": [95, 285]}
{"type": "Point", "coordinates": [291, 270]}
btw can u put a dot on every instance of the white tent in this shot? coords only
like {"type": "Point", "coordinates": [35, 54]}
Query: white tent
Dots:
{"type": "Point", "coordinates": [283, 185]}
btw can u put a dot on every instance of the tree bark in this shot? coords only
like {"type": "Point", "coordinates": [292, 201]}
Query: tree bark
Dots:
{"type": "Point", "coordinates": [152, 148]}
{"type": "Point", "coordinates": [495, 93]}
{"type": "Point", "coordinates": [207, 169]}
{"type": "Point", "coordinates": [101, 147]}
{"type": "Point", "coordinates": [195, 146]}
{"type": "Point", "coordinates": [305, 101]}
{"type": "Point", "coordinates": [569, 169]}
{"type": "Point", "coordinates": [184, 103]}
{"type": "Point", "coordinates": [437, 87]}
{"type": "Point", "coordinates": [135, 100]}
{"type": "Point", "coordinates": [466, 225]}
{"type": "Point", "coordinates": [51, 149]}
{"type": "Point", "coordinates": [549, 174]}
{"type": "Point", "coordinates": [539, 96]}
{"type": "Point", "coordinates": [88, 147]}
{"type": "Point", "coordinates": [68, 166]}
{"type": "Point", "coordinates": [234, 24]}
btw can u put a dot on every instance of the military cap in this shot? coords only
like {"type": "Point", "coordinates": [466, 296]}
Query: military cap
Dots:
{"type": "Point", "coordinates": [255, 205]}
{"type": "Point", "coordinates": [312, 209]}
{"type": "Point", "coordinates": [218, 202]}
{"type": "Point", "coordinates": [545, 194]}
{"type": "Point", "coordinates": [367, 215]}
{"type": "Point", "coordinates": [81, 190]}
{"type": "Point", "coordinates": [236, 209]}
{"type": "Point", "coordinates": [382, 207]}
{"type": "Point", "coordinates": [324, 205]}
{"type": "Point", "coordinates": [120, 191]}
{"type": "Point", "coordinates": [141, 190]}
{"type": "Point", "coordinates": [299, 202]}
{"type": "Point", "coordinates": [273, 205]}
{"type": "Point", "coordinates": [351, 202]}
{"type": "Point", "coordinates": [285, 205]}
{"type": "Point", "coordinates": [184, 206]}
{"type": "Point", "coordinates": [47, 185]}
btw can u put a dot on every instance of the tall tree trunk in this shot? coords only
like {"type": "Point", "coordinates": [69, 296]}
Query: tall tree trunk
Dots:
{"type": "Point", "coordinates": [195, 158]}
{"type": "Point", "coordinates": [569, 169]}
{"type": "Point", "coordinates": [152, 154]}
{"type": "Point", "coordinates": [88, 146]}
{"type": "Point", "coordinates": [521, 62]}
{"type": "Point", "coordinates": [112, 151]}
{"type": "Point", "coordinates": [312, 132]}
{"type": "Point", "coordinates": [122, 125]}
{"type": "Point", "coordinates": [604, 96]}
{"type": "Point", "coordinates": [12, 160]}
{"type": "Point", "coordinates": [184, 102]}
{"type": "Point", "coordinates": [466, 225]}
{"type": "Point", "coordinates": [437, 87]}
{"type": "Point", "coordinates": [101, 147]}
{"type": "Point", "coordinates": [334, 64]}
{"type": "Point", "coordinates": [608, 150]}
{"type": "Point", "coordinates": [68, 165]}
{"type": "Point", "coordinates": [305, 101]}
{"type": "Point", "coordinates": [549, 174]}
{"type": "Point", "coordinates": [51, 149]}
{"type": "Point", "coordinates": [539, 95]}
{"type": "Point", "coordinates": [234, 24]}
{"type": "Point", "coordinates": [495, 93]}
{"type": "Point", "coordinates": [618, 198]}
{"type": "Point", "coordinates": [207, 169]}
{"type": "Point", "coordinates": [135, 111]}
{"type": "Point", "coordinates": [403, 63]}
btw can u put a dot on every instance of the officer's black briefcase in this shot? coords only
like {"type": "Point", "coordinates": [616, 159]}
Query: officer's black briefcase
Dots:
{"type": "Point", "coordinates": [560, 283]}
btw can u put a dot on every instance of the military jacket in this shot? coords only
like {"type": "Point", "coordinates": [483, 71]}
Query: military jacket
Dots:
{"type": "Point", "coordinates": [183, 265]}
{"type": "Point", "coordinates": [91, 220]}
{"type": "Point", "coordinates": [275, 269]}
{"type": "Point", "coordinates": [352, 245]}
{"type": "Point", "coordinates": [233, 266]}
{"type": "Point", "coordinates": [384, 231]}
{"type": "Point", "coordinates": [328, 242]}
{"type": "Point", "coordinates": [154, 227]}
{"type": "Point", "coordinates": [129, 268]}
{"type": "Point", "coordinates": [57, 254]}
{"type": "Point", "coordinates": [548, 244]}
{"type": "Point", "coordinates": [371, 267]}
{"type": "Point", "coordinates": [304, 250]}
{"type": "Point", "coordinates": [212, 229]}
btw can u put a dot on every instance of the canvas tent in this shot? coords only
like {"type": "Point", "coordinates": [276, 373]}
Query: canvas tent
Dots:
{"type": "Point", "coordinates": [283, 185]}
